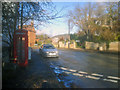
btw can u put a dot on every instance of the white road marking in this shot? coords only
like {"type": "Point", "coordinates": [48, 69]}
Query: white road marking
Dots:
{"type": "Point", "coordinates": [63, 68]}
{"type": "Point", "coordinates": [82, 72]}
{"type": "Point", "coordinates": [110, 80]}
{"type": "Point", "coordinates": [77, 74]}
{"type": "Point", "coordinates": [97, 74]}
{"type": "Point", "coordinates": [67, 72]}
{"type": "Point", "coordinates": [93, 77]}
{"type": "Point", "coordinates": [112, 77]}
{"type": "Point", "coordinates": [72, 70]}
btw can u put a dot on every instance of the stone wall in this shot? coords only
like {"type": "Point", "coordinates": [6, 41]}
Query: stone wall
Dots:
{"type": "Point", "coordinates": [114, 46]}
{"type": "Point", "coordinates": [55, 45]}
{"type": "Point", "coordinates": [102, 47]}
{"type": "Point", "coordinates": [73, 45]}
{"type": "Point", "coordinates": [66, 45]}
{"type": "Point", "coordinates": [61, 45]}
{"type": "Point", "coordinates": [91, 45]}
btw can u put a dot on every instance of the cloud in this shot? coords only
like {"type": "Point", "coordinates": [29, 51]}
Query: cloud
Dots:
{"type": "Point", "coordinates": [53, 30]}
{"type": "Point", "coordinates": [39, 32]}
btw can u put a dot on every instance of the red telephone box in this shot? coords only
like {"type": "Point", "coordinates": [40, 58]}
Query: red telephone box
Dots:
{"type": "Point", "coordinates": [21, 47]}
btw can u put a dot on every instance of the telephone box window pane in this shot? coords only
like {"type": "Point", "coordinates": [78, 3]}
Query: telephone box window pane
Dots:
{"type": "Point", "coordinates": [23, 39]}
{"type": "Point", "coordinates": [21, 49]}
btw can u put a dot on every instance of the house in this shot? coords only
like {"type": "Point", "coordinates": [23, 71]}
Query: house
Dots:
{"type": "Point", "coordinates": [31, 34]}
{"type": "Point", "coordinates": [61, 37]}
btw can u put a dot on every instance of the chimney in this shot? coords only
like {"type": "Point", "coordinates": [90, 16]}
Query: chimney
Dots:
{"type": "Point", "coordinates": [32, 22]}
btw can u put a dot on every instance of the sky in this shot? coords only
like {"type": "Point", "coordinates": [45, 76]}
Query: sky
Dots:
{"type": "Point", "coordinates": [58, 26]}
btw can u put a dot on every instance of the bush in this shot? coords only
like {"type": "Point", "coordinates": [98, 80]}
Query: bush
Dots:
{"type": "Point", "coordinates": [39, 43]}
{"type": "Point", "coordinates": [118, 38]}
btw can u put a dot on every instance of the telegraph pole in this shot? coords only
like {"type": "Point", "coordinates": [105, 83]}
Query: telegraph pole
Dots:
{"type": "Point", "coordinates": [69, 32]}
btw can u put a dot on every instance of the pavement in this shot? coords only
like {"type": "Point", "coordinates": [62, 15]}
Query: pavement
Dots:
{"type": "Point", "coordinates": [90, 50]}
{"type": "Point", "coordinates": [36, 75]}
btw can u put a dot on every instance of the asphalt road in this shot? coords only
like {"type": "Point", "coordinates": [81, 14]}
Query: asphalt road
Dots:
{"type": "Point", "coordinates": [85, 69]}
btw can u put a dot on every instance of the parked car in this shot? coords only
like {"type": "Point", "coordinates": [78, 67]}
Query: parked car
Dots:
{"type": "Point", "coordinates": [48, 50]}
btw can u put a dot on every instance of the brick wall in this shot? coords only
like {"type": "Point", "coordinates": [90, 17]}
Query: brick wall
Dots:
{"type": "Point", "coordinates": [31, 34]}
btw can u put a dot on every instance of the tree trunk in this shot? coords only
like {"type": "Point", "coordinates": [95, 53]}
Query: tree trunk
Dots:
{"type": "Point", "coordinates": [21, 29]}
{"type": "Point", "coordinates": [22, 16]}
{"type": "Point", "coordinates": [18, 15]}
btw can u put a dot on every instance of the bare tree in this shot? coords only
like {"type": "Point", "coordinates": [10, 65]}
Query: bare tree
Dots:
{"type": "Point", "coordinates": [81, 17]}
{"type": "Point", "coordinates": [96, 20]}
{"type": "Point", "coordinates": [17, 14]}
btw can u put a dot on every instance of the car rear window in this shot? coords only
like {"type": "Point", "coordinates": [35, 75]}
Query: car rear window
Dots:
{"type": "Point", "coordinates": [49, 47]}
